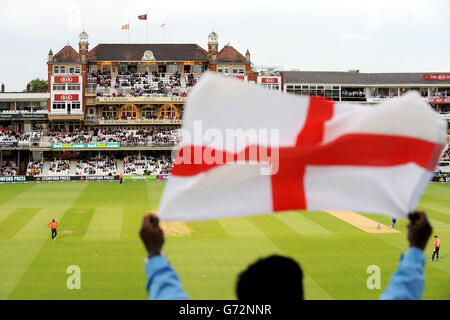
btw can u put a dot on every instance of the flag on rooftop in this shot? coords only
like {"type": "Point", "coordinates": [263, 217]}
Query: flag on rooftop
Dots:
{"type": "Point", "coordinates": [126, 27]}
{"type": "Point", "coordinates": [142, 17]}
{"type": "Point", "coordinates": [298, 153]}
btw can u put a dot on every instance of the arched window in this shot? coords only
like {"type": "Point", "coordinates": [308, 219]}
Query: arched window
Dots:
{"type": "Point", "coordinates": [128, 111]}
{"type": "Point", "coordinates": [168, 111]}
{"type": "Point", "coordinates": [149, 112]}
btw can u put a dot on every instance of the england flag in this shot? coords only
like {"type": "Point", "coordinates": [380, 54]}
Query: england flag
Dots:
{"type": "Point", "coordinates": [246, 150]}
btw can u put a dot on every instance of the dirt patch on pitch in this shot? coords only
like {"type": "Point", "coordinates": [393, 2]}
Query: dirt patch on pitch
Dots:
{"type": "Point", "coordinates": [175, 228]}
{"type": "Point", "coordinates": [67, 232]}
{"type": "Point", "coordinates": [83, 212]}
{"type": "Point", "coordinates": [361, 222]}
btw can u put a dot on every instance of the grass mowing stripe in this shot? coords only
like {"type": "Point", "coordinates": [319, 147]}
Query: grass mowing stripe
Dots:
{"type": "Point", "coordinates": [14, 222]}
{"type": "Point", "coordinates": [131, 222]}
{"type": "Point", "coordinates": [106, 224]}
{"type": "Point", "coordinates": [239, 227]}
{"type": "Point", "coordinates": [75, 222]}
{"type": "Point", "coordinates": [15, 259]}
{"type": "Point", "coordinates": [56, 195]}
{"type": "Point", "coordinates": [302, 225]}
{"type": "Point", "coordinates": [5, 212]}
{"type": "Point", "coordinates": [37, 227]}
{"type": "Point", "coordinates": [9, 191]}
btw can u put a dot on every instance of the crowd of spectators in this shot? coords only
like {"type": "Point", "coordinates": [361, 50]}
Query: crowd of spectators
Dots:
{"type": "Point", "coordinates": [98, 167]}
{"type": "Point", "coordinates": [191, 80]}
{"type": "Point", "coordinates": [440, 94]}
{"type": "Point", "coordinates": [59, 167]}
{"type": "Point", "coordinates": [357, 93]}
{"type": "Point", "coordinates": [8, 168]}
{"type": "Point", "coordinates": [123, 136]}
{"type": "Point", "coordinates": [103, 78]}
{"type": "Point", "coordinates": [19, 137]}
{"type": "Point", "coordinates": [78, 136]}
{"type": "Point", "coordinates": [446, 154]}
{"type": "Point", "coordinates": [34, 168]}
{"type": "Point", "coordinates": [165, 136]}
{"type": "Point", "coordinates": [147, 166]}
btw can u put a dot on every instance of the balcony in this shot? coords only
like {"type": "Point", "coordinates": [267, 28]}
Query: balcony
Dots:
{"type": "Point", "coordinates": [23, 115]}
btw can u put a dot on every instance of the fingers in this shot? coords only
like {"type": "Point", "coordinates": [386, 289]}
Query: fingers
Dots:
{"type": "Point", "coordinates": [151, 221]}
{"type": "Point", "coordinates": [154, 220]}
{"type": "Point", "coordinates": [417, 217]}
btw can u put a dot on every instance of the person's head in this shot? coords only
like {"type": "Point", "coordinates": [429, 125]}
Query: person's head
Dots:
{"type": "Point", "coordinates": [53, 220]}
{"type": "Point", "coordinates": [435, 236]}
{"type": "Point", "coordinates": [271, 278]}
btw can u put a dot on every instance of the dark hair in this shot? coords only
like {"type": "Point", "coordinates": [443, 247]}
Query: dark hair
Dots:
{"type": "Point", "coordinates": [53, 220]}
{"type": "Point", "coordinates": [271, 278]}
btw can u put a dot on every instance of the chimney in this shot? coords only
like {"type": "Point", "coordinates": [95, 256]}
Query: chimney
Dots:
{"type": "Point", "coordinates": [50, 56]}
{"type": "Point", "coordinates": [3, 88]}
{"type": "Point", "coordinates": [28, 87]}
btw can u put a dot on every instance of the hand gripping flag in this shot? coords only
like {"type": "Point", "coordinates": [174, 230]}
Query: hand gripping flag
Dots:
{"type": "Point", "coordinates": [126, 27]}
{"type": "Point", "coordinates": [246, 150]}
{"type": "Point", "coordinates": [142, 17]}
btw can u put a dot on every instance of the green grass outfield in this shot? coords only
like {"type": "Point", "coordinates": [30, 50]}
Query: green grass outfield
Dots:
{"type": "Point", "coordinates": [104, 219]}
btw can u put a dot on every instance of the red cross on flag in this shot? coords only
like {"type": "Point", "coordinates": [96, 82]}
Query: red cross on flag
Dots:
{"type": "Point", "coordinates": [246, 150]}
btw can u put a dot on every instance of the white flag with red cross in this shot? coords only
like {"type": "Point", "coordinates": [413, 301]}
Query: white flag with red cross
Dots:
{"type": "Point", "coordinates": [246, 150]}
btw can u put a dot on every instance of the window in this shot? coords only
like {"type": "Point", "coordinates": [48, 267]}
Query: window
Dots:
{"type": "Point", "coordinates": [56, 69]}
{"type": "Point", "coordinates": [226, 70]}
{"type": "Point", "coordinates": [220, 70]}
{"type": "Point", "coordinates": [172, 68]}
{"type": "Point", "coordinates": [62, 69]}
{"type": "Point", "coordinates": [71, 70]}
{"type": "Point", "coordinates": [59, 105]}
{"type": "Point", "coordinates": [59, 87]}
{"type": "Point", "coordinates": [235, 70]}
{"type": "Point", "coordinates": [75, 105]}
{"type": "Point", "coordinates": [241, 70]}
{"type": "Point", "coordinates": [128, 111]}
{"type": "Point", "coordinates": [77, 69]}
{"type": "Point", "coordinates": [109, 112]}
{"type": "Point", "coordinates": [73, 87]}
{"type": "Point", "coordinates": [149, 113]}
{"type": "Point", "coordinates": [141, 68]}
{"type": "Point", "coordinates": [198, 68]}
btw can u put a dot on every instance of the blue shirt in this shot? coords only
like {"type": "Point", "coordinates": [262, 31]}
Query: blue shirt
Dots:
{"type": "Point", "coordinates": [408, 282]}
{"type": "Point", "coordinates": [405, 284]}
{"type": "Point", "coordinates": [162, 281]}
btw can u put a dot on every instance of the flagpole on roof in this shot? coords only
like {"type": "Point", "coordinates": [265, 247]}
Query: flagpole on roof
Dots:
{"type": "Point", "coordinates": [164, 30]}
{"type": "Point", "coordinates": [128, 31]}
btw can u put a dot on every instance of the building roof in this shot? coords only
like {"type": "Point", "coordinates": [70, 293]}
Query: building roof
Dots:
{"type": "Point", "coordinates": [135, 52]}
{"type": "Point", "coordinates": [357, 78]}
{"type": "Point", "coordinates": [67, 54]}
{"type": "Point", "coordinates": [24, 96]}
{"type": "Point", "coordinates": [230, 54]}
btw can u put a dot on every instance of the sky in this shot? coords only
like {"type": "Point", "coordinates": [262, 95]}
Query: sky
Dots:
{"type": "Point", "coordinates": [314, 35]}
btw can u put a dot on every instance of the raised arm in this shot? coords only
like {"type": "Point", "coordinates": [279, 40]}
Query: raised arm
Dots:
{"type": "Point", "coordinates": [162, 280]}
{"type": "Point", "coordinates": [408, 282]}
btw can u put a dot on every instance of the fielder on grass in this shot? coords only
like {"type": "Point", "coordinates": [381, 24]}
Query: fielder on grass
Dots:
{"type": "Point", "coordinates": [52, 225]}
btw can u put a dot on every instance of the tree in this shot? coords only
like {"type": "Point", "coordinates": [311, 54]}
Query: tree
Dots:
{"type": "Point", "coordinates": [38, 85]}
